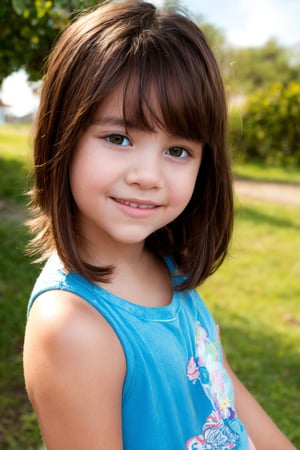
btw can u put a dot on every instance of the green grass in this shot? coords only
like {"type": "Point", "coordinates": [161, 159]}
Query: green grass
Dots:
{"type": "Point", "coordinates": [254, 297]}
{"type": "Point", "coordinates": [259, 172]}
{"type": "Point", "coordinates": [18, 428]}
{"type": "Point", "coordinates": [15, 161]}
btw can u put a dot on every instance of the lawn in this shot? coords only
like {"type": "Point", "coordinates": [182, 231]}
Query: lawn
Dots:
{"type": "Point", "coordinates": [259, 172]}
{"type": "Point", "coordinates": [254, 297]}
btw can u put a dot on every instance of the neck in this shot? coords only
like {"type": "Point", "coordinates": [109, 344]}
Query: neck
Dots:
{"type": "Point", "coordinates": [113, 254]}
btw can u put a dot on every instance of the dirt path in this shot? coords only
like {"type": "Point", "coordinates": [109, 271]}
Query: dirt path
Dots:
{"type": "Point", "coordinates": [288, 194]}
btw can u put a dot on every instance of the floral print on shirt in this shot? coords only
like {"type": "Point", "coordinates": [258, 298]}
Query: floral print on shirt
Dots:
{"type": "Point", "coordinates": [206, 368]}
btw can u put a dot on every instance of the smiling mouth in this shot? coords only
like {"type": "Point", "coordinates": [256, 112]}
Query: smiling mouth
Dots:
{"type": "Point", "coordinates": [136, 205]}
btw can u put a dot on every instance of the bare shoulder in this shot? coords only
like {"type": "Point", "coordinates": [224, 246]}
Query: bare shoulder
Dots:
{"type": "Point", "coordinates": [66, 325]}
{"type": "Point", "coordinates": [73, 358]}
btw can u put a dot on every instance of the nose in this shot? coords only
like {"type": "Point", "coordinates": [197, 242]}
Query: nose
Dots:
{"type": "Point", "coordinates": [146, 170]}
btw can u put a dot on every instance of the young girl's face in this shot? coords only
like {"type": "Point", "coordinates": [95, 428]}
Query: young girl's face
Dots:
{"type": "Point", "coordinates": [128, 182]}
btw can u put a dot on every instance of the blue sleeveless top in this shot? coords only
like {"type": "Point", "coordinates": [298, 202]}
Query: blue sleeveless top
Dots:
{"type": "Point", "coordinates": [177, 394]}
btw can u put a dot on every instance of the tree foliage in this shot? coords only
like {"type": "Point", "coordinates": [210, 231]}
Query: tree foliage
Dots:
{"type": "Point", "coordinates": [258, 67]}
{"type": "Point", "coordinates": [28, 30]}
{"type": "Point", "coordinates": [269, 129]}
{"type": "Point", "coordinates": [247, 69]}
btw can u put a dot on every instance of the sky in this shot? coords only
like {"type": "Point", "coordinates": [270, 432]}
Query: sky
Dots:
{"type": "Point", "coordinates": [244, 23]}
{"type": "Point", "coordinates": [251, 22]}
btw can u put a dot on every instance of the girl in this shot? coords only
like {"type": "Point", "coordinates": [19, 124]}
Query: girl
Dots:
{"type": "Point", "coordinates": [133, 210]}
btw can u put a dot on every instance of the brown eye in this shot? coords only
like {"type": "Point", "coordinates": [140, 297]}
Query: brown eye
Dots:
{"type": "Point", "coordinates": [118, 139]}
{"type": "Point", "coordinates": [177, 152]}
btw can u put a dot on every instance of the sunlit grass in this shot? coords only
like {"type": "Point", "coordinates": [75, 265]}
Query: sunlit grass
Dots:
{"type": "Point", "coordinates": [259, 172]}
{"type": "Point", "coordinates": [15, 161]}
{"type": "Point", "coordinates": [15, 141]}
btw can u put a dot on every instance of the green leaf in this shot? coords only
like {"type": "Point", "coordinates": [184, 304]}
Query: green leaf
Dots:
{"type": "Point", "coordinates": [18, 6]}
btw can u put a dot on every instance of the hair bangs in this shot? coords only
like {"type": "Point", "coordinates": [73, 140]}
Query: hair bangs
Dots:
{"type": "Point", "coordinates": [161, 91]}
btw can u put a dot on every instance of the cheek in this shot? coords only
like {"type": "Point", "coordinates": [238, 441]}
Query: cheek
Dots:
{"type": "Point", "coordinates": [84, 174]}
{"type": "Point", "coordinates": [180, 197]}
{"type": "Point", "coordinates": [183, 189]}
{"type": "Point", "coordinates": [82, 181]}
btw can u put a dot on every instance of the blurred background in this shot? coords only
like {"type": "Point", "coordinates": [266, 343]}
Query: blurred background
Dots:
{"type": "Point", "coordinates": [255, 295]}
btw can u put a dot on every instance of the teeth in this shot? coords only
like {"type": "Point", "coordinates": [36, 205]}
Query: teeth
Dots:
{"type": "Point", "coordinates": [135, 205]}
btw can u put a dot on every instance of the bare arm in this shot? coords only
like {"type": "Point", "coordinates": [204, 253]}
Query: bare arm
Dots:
{"type": "Point", "coordinates": [74, 369]}
{"type": "Point", "coordinates": [262, 430]}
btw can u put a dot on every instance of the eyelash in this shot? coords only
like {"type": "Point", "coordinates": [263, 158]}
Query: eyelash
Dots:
{"type": "Point", "coordinates": [121, 138]}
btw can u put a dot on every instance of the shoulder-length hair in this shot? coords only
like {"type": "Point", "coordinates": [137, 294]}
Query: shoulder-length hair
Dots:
{"type": "Point", "coordinates": [133, 44]}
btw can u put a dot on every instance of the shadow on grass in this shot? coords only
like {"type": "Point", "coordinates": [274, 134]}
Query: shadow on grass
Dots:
{"type": "Point", "coordinates": [251, 214]}
{"type": "Point", "coordinates": [14, 179]}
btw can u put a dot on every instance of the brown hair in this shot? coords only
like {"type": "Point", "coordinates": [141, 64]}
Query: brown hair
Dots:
{"type": "Point", "coordinates": [134, 44]}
